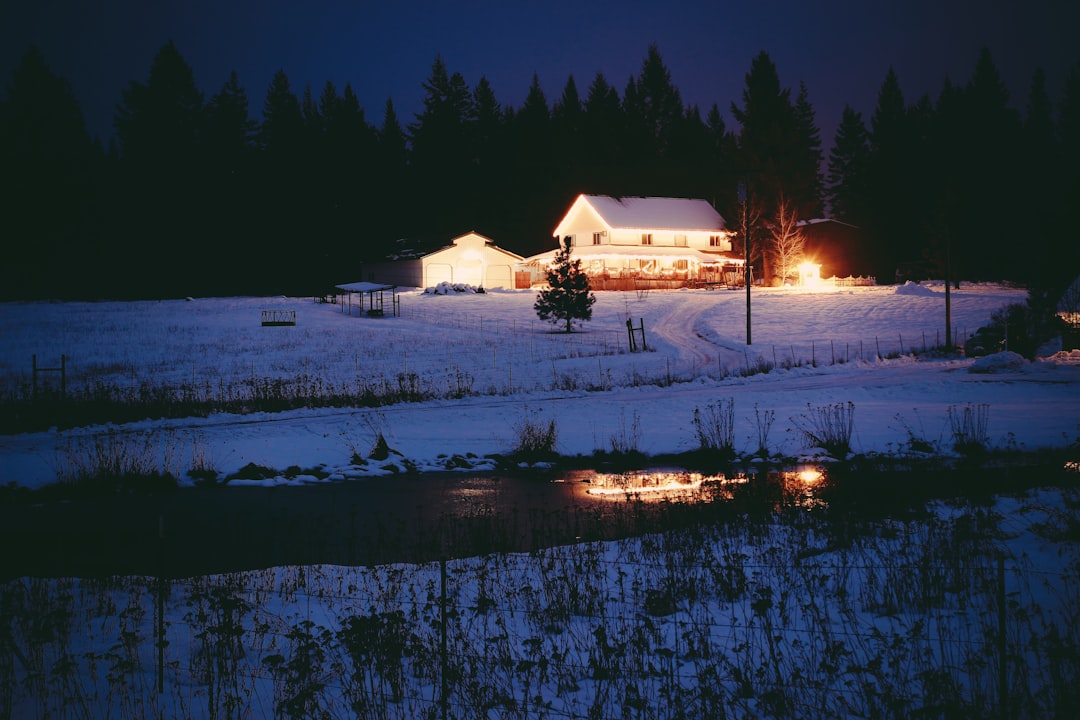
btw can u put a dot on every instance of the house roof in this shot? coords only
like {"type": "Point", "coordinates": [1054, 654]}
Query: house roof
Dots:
{"type": "Point", "coordinates": [645, 213]}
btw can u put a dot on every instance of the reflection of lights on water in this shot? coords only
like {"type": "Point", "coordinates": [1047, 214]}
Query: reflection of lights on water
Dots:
{"type": "Point", "coordinates": [646, 484]}
{"type": "Point", "coordinates": [800, 485]}
{"type": "Point", "coordinates": [1072, 466]}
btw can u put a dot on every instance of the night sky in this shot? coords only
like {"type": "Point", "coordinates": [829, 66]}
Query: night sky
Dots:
{"type": "Point", "coordinates": [842, 49]}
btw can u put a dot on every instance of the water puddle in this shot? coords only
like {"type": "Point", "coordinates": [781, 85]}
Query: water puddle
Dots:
{"type": "Point", "coordinates": [799, 486]}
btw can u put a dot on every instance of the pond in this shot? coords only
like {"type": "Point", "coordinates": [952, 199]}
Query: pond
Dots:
{"type": "Point", "coordinates": [419, 518]}
{"type": "Point", "coordinates": [465, 597]}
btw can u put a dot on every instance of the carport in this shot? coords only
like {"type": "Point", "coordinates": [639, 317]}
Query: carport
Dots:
{"type": "Point", "coordinates": [372, 298]}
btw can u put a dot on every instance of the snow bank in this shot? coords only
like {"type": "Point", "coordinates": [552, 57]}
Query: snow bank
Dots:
{"type": "Point", "coordinates": [998, 362]}
{"type": "Point", "coordinates": [446, 288]}
{"type": "Point", "coordinates": [913, 288]}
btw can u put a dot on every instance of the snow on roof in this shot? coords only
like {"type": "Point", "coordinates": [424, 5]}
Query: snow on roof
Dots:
{"type": "Point", "coordinates": [817, 221]}
{"type": "Point", "coordinates": [363, 287]}
{"type": "Point", "coordinates": [658, 213]}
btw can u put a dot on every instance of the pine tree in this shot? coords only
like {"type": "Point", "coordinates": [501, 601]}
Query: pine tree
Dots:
{"type": "Point", "coordinates": [163, 178]}
{"type": "Point", "coordinates": [805, 188]}
{"type": "Point", "coordinates": [160, 122]}
{"type": "Point", "coordinates": [1041, 190]}
{"type": "Point", "coordinates": [603, 133]}
{"type": "Point", "coordinates": [847, 169]}
{"type": "Point", "coordinates": [569, 296]}
{"type": "Point", "coordinates": [50, 172]}
{"type": "Point", "coordinates": [768, 138]}
{"type": "Point", "coordinates": [889, 180]}
{"type": "Point", "coordinates": [281, 132]}
{"type": "Point", "coordinates": [655, 106]}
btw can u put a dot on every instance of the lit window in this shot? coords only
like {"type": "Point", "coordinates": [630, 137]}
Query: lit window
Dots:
{"type": "Point", "coordinates": [596, 236]}
{"type": "Point", "coordinates": [646, 238]}
{"type": "Point", "coordinates": [680, 241]}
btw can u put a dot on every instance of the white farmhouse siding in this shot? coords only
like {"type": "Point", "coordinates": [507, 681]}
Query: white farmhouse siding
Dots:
{"type": "Point", "coordinates": [625, 242]}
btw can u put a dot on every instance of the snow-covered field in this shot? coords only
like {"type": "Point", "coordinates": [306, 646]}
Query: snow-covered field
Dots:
{"type": "Point", "coordinates": [484, 363]}
{"type": "Point", "coordinates": [784, 615]}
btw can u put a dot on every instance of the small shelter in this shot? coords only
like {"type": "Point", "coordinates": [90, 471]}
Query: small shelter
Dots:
{"type": "Point", "coordinates": [470, 259]}
{"type": "Point", "coordinates": [633, 242]}
{"type": "Point", "coordinates": [373, 293]}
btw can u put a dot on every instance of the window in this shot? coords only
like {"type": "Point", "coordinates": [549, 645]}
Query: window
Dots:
{"type": "Point", "coordinates": [720, 241]}
{"type": "Point", "coordinates": [597, 238]}
{"type": "Point", "coordinates": [680, 241]}
{"type": "Point", "coordinates": [646, 238]}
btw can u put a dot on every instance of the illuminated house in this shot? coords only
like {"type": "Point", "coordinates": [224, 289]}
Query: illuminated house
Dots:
{"type": "Point", "coordinates": [470, 259]}
{"type": "Point", "coordinates": [645, 242]}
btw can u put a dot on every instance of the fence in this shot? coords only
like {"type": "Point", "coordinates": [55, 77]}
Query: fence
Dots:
{"type": "Point", "coordinates": [470, 355]}
{"type": "Point", "coordinates": [931, 617]}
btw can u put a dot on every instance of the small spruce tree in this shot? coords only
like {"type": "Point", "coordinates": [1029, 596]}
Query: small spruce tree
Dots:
{"type": "Point", "coordinates": [568, 296]}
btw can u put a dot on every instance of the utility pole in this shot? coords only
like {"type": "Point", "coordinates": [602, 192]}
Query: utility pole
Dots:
{"type": "Point", "coordinates": [948, 296]}
{"type": "Point", "coordinates": [746, 251]}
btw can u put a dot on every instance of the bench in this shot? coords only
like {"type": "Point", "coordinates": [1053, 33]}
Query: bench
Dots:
{"type": "Point", "coordinates": [278, 317]}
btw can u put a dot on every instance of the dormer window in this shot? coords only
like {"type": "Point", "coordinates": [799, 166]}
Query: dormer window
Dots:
{"type": "Point", "coordinates": [646, 238]}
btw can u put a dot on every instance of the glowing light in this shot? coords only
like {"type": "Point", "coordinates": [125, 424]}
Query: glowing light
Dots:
{"type": "Point", "coordinates": [809, 274]}
{"type": "Point", "coordinates": [810, 476]}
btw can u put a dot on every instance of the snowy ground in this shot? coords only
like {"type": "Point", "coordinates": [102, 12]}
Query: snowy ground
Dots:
{"type": "Point", "coordinates": [488, 363]}
{"type": "Point", "coordinates": [785, 615]}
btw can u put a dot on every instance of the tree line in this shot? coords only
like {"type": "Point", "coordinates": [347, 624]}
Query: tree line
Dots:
{"type": "Point", "coordinates": [193, 197]}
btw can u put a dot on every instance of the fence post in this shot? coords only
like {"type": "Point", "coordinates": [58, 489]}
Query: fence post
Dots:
{"type": "Point", "coordinates": [160, 625]}
{"type": "Point", "coordinates": [1002, 648]}
{"type": "Point", "coordinates": [442, 638]}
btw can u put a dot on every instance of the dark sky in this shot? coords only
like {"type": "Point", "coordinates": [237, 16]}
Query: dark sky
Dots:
{"type": "Point", "coordinates": [842, 49]}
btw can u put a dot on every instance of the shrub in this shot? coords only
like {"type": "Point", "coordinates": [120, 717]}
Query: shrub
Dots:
{"type": "Point", "coordinates": [535, 438]}
{"type": "Point", "coordinates": [828, 427]}
{"type": "Point", "coordinates": [115, 461]}
{"type": "Point", "coordinates": [969, 428]}
{"type": "Point", "coordinates": [715, 426]}
{"type": "Point", "coordinates": [764, 420]}
{"type": "Point", "coordinates": [626, 440]}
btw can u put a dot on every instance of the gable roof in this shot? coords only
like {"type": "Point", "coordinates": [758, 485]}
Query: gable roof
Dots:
{"type": "Point", "coordinates": [646, 213]}
{"type": "Point", "coordinates": [473, 239]}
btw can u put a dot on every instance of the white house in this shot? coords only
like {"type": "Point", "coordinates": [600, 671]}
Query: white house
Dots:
{"type": "Point", "coordinates": [470, 259]}
{"type": "Point", "coordinates": [631, 242]}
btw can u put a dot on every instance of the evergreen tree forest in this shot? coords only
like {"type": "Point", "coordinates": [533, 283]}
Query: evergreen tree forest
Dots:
{"type": "Point", "coordinates": [221, 191]}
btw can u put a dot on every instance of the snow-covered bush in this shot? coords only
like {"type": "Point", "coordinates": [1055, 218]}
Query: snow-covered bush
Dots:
{"type": "Point", "coordinates": [448, 288]}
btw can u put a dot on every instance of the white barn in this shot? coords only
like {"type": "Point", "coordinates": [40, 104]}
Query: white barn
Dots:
{"type": "Point", "coordinates": [470, 259]}
{"type": "Point", "coordinates": [629, 242]}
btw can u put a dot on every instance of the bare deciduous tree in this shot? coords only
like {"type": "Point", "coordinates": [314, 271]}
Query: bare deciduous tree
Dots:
{"type": "Point", "coordinates": [787, 239]}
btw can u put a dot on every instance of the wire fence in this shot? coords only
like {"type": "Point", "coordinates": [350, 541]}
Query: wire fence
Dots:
{"type": "Point", "coordinates": [467, 354]}
{"type": "Point", "coordinates": [940, 616]}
